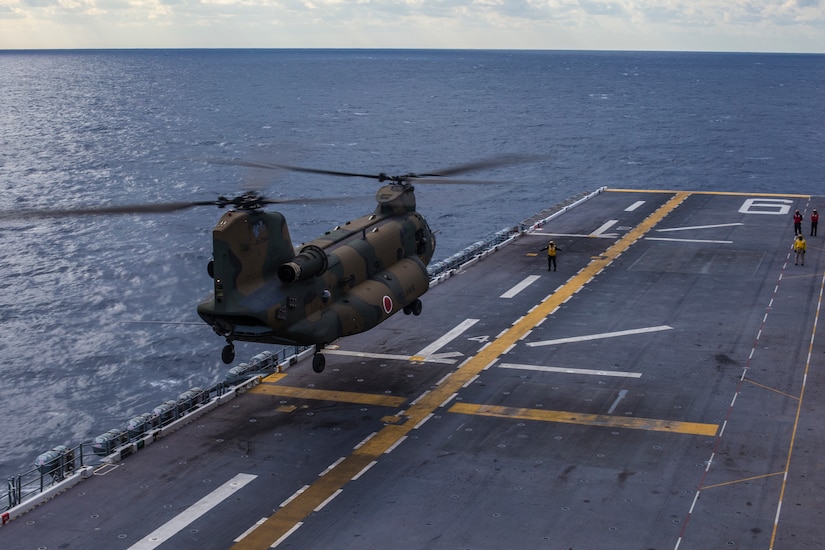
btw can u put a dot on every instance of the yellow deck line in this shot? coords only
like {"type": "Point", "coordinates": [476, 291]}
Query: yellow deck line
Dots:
{"type": "Point", "coordinates": [606, 420]}
{"type": "Point", "coordinates": [329, 395]}
{"type": "Point", "coordinates": [741, 480]}
{"type": "Point", "coordinates": [287, 517]}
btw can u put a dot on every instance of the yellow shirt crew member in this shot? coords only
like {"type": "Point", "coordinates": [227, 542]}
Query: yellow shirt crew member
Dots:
{"type": "Point", "coordinates": [799, 246]}
{"type": "Point", "coordinates": [552, 249]}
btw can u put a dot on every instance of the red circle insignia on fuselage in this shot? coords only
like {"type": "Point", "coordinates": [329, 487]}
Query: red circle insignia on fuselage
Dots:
{"type": "Point", "coordinates": [387, 304]}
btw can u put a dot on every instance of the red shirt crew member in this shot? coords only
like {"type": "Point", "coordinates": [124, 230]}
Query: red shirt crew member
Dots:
{"type": "Point", "coordinates": [797, 223]}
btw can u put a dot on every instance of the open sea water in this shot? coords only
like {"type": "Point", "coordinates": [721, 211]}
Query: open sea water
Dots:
{"type": "Point", "coordinates": [83, 301]}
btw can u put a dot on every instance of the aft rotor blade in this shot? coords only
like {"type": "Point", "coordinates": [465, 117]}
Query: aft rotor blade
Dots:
{"type": "Point", "coordinates": [501, 160]}
{"type": "Point", "coordinates": [291, 168]}
{"type": "Point", "coordinates": [315, 200]}
{"type": "Point", "coordinates": [495, 162]}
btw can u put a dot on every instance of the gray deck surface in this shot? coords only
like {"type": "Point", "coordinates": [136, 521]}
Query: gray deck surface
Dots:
{"type": "Point", "coordinates": [662, 390]}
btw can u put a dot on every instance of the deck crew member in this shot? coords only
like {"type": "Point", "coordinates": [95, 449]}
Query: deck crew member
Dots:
{"type": "Point", "coordinates": [551, 249]}
{"type": "Point", "coordinates": [799, 246]}
{"type": "Point", "coordinates": [797, 223]}
{"type": "Point", "coordinates": [814, 222]}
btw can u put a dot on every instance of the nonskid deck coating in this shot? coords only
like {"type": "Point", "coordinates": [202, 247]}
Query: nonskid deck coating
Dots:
{"type": "Point", "coordinates": [660, 390]}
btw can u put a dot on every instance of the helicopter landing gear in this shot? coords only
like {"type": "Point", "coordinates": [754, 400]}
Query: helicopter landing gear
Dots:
{"type": "Point", "coordinates": [222, 328]}
{"type": "Point", "coordinates": [318, 360]}
{"type": "Point", "coordinates": [228, 353]}
{"type": "Point", "coordinates": [414, 308]}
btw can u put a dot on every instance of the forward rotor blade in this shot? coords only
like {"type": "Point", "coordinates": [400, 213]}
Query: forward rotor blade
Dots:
{"type": "Point", "coordinates": [435, 180]}
{"type": "Point", "coordinates": [241, 202]}
{"type": "Point", "coordinates": [103, 210]}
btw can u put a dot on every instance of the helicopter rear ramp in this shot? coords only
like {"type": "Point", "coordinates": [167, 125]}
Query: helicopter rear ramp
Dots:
{"type": "Point", "coordinates": [661, 389]}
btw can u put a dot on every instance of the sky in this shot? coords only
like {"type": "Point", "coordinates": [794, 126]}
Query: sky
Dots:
{"type": "Point", "coordinates": [671, 25]}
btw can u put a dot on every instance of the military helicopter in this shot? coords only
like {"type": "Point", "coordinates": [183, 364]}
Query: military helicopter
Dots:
{"type": "Point", "coordinates": [347, 281]}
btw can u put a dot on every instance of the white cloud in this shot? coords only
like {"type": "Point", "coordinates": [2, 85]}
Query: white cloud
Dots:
{"type": "Point", "coordinates": [757, 25]}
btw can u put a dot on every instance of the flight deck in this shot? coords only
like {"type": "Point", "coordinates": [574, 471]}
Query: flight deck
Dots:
{"type": "Point", "coordinates": [662, 389]}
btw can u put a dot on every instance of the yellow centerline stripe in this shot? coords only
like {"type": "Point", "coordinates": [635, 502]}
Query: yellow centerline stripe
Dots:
{"type": "Point", "coordinates": [285, 519]}
{"type": "Point", "coordinates": [606, 420]}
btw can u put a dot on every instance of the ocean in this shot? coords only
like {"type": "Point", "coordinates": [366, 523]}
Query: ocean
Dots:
{"type": "Point", "coordinates": [97, 314]}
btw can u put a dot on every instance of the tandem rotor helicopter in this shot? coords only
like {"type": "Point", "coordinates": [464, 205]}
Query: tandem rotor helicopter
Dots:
{"type": "Point", "coordinates": [344, 282]}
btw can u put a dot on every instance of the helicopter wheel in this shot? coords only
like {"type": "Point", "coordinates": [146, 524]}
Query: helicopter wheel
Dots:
{"type": "Point", "coordinates": [319, 362]}
{"type": "Point", "coordinates": [415, 307]}
{"type": "Point", "coordinates": [407, 310]}
{"type": "Point", "coordinates": [228, 353]}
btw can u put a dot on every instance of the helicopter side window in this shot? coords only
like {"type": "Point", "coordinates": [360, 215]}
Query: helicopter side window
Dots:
{"type": "Point", "coordinates": [420, 242]}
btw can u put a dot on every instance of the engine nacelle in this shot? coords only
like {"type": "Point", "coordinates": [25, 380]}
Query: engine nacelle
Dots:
{"type": "Point", "coordinates": [311, 262]}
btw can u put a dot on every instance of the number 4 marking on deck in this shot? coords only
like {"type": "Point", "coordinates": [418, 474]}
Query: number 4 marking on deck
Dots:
{"type": "Point", "coordinates": [479, 339]}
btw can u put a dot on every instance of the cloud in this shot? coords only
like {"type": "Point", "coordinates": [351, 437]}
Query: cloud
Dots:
{"type": "Point", "coordinates": [551, 24]}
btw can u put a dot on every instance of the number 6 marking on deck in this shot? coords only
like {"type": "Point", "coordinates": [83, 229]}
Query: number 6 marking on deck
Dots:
{"type": "Point", "coordinates": [766, 206]}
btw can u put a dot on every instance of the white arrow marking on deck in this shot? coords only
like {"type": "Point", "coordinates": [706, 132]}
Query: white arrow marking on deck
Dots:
{"type": "Point", "coordinates": [201, 507]}
{"type": "Point", "coordinates": [634, 206]}
{"type": "Point", "coordinates": [605, 226]}
{"type": "Point", "coordinates": [564, 370]}
{"type": "Point", "coordinates": [599, 336]}
{"type": "Point", "coordinates": [426, 355]}
{"type": "Point", "coordinates": [447, 338]}
{"type": "Point", "coordinates": [521, 286]}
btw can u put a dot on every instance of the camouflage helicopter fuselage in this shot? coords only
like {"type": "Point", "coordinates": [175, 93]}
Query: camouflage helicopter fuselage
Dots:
{"type": "Point", "coordinates": [345, 282]}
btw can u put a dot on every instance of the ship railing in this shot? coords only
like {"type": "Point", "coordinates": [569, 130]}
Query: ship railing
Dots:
{"type": "Point", "coordinates": [62, 467]}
